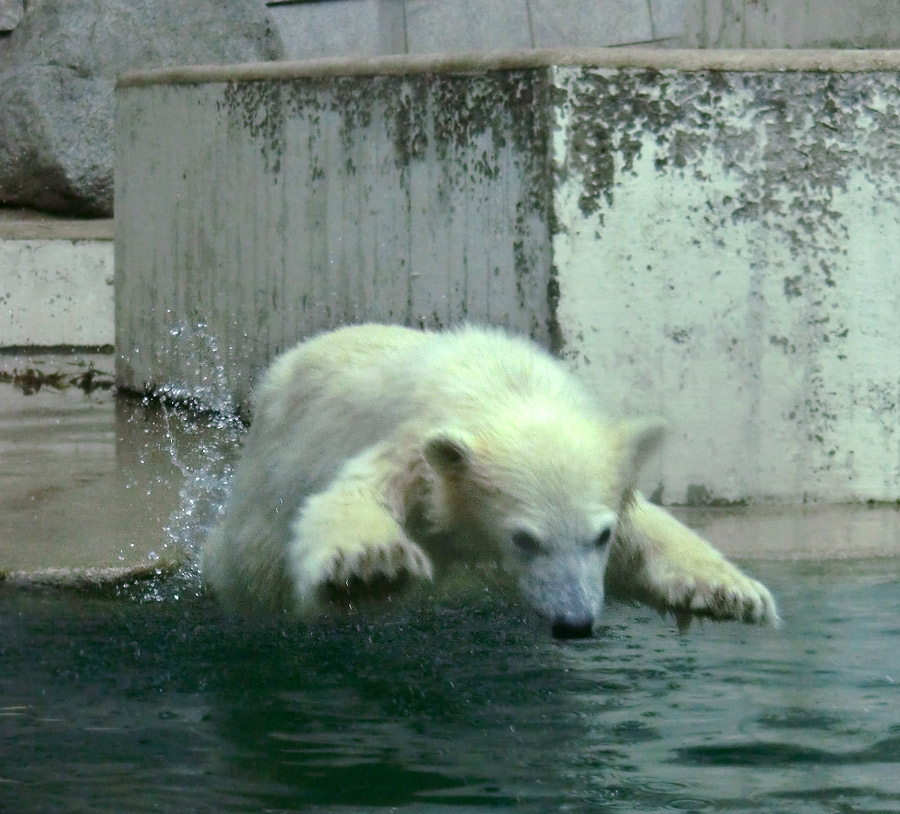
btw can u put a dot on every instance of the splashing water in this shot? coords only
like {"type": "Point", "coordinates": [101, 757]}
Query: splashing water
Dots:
{"type": "Point", "coordinates": [206, 466]}
{"type": "Point", "coordinates": [197, 355]}
{"type": "Point", "coordinates": [199, 433]}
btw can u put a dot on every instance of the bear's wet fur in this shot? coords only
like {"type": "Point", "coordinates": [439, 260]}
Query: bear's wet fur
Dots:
{"type": "Point", "coordinates": [378, 453]}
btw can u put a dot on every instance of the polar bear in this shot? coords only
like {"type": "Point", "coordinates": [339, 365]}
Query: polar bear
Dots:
{"type": "Point", "coordinates": [380, 455]}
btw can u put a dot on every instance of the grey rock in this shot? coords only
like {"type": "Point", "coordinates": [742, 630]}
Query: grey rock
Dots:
{"type": "Point", "coordinates": [57, 80]}
{"type": "Point", "coordinates": [11, 12]}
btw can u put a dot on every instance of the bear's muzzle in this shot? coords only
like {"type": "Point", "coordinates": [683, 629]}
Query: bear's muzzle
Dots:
{"type": "Point", "coordinates": [572, 628]}
{"type": "Point", "coordinates": [567, 591]}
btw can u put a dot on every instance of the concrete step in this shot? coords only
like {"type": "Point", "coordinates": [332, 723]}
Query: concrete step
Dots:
{"type": "Point", "coordinates": [56, 281]}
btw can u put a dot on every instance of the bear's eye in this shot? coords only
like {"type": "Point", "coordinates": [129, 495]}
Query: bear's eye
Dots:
{"type": "Point", "coordinates": [527, 543]}
{"type": "Point", "coordinates": [603, 537]}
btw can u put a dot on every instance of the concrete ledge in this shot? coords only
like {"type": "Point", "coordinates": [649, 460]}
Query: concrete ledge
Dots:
{"type": "Point", "coordinates": [650, 58]}
{"type": "Point", "coordinates": [833, 532]}
{"type": "Point", "coordinates": [99, 578]}
{"type": "Point", "coordinates": [25, 224]}
{"type": "Point", "coordinates": [56, 279]}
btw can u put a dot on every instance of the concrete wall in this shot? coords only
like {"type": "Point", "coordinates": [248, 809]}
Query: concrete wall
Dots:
{"type": "Point", "coordinates": [56, 281]}
{"type": "Point", "coordinates": [355, 28]}
{"type": "Point", "coordinates": [791, 24]}
{"type": "Point", "coordinates": [730, 253]}
{"type": "Point", "coordinates": [278, 208]}
{"type": "Point", "coordinates": [687, 233]}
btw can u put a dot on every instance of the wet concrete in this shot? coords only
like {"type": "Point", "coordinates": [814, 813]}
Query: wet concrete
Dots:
{"type": "Point", "coordinates": [97, 488]}
{"type": "Point", "coordinates": [90, 483]}
{"type": "Point", "coordinates": [810, 532]}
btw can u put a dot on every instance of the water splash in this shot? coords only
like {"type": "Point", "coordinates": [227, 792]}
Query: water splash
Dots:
{"type": "Point", "coordinates": [202, 446]}
{"type": "Point", "coordinates": [201, 363]}
{"type": "Point", "coordinates": [196, 430]}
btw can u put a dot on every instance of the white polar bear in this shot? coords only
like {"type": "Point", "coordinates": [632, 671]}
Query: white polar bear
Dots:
{"type": "Point", "coordinates": [380, 455]}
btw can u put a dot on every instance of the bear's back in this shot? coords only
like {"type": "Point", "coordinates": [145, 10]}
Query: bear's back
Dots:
{"type": "Point", "coordinates": [478, 370]}
{"type": "Point", "coordinates": [388, 372]}
{"type": "Point", "coordinates": [334, 395]}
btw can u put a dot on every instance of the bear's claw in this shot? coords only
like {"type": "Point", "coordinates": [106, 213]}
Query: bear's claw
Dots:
{"type": "Point", "coordinates": [743, 599]}
{"type": "Point", "coordinates": [365, 569]}
{"type": "Point", "coordinates": [389, 561]}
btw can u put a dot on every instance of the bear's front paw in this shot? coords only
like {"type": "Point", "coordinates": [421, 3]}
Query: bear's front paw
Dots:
{"type": "Point", "coordinates": [719, 590]}
{"type": "Point", "coordinates": [363, 570]}
{"type": "Point", "coordinates": [384, 561]}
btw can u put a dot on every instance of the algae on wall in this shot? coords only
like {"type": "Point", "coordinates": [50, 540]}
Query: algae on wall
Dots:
{"type": "Point", "coordinates": [689, 236]}
{"type": "Point", "coordinates": [735, 230]}
{"type": "Point", "coordinates": [303, 204]}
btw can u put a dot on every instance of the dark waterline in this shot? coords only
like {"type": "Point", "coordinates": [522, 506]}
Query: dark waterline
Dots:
{"type": "Point", "coordinates": [117, 704]}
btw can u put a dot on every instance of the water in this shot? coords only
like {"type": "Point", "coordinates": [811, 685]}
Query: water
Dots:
{"type": "Point", "coordinates": [117, 704]}
{"type": "Point", "coordinates": [142, 696]}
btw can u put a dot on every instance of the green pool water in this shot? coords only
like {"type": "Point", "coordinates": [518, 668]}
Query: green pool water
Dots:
{"type": "Point", "coordinates": [147, 703]}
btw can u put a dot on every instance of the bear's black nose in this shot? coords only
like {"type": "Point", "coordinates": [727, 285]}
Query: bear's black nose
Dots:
{"type": "Point", "coordinates": [572, 628]}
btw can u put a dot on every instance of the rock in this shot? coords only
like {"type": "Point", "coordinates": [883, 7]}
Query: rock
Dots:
{"type": "Point", "coordinates": [11, 12]}
{"type": "Point", "coordinates": [57, 78]}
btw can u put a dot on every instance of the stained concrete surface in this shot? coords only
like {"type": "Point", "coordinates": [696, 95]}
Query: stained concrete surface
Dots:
{"type": "Point", "coordinates": [55, 280]}
{"type": "Point", "coordinates": [97, 488]}
{"type": "Point", "coordinates": [688, 239]}
{"type": "Point", "coordinates": [87, 485]}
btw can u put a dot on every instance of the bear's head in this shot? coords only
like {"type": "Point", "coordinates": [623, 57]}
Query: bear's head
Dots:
{"type": "Point", "coordinates": [541, 493]}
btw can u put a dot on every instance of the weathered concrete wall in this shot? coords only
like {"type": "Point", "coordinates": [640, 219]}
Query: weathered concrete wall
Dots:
{"type": "Point", "coordinates": [689, 236]}
{"type": "Point", "coordinates": [729, 254]}
{"type": "Point", "coordinates": [791, 24]}
{"type": "Point", "coordinates": [56, 281]}
{"type": "Point", "coordinates": [279, 208]}
{"type": "Point", "coordinates": [355, 28]}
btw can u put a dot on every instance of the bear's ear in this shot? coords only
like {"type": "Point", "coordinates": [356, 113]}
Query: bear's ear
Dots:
{"type": "Point", "coordinates": [642, 437]}
{"type": "Point", "coordinates": [448, 452]}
